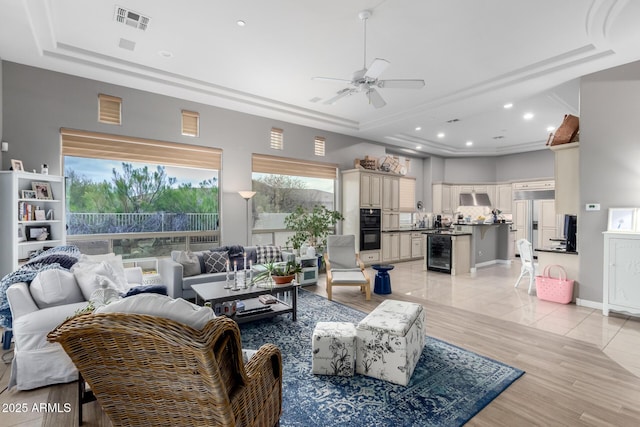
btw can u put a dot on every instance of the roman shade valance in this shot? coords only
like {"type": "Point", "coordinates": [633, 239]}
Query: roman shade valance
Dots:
{"type": "Point", "coordinates": [107, 146]}
{"type": "Point", "coordinates": [263, 163]}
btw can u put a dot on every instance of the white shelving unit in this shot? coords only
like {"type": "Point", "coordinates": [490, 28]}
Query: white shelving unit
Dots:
{"type": "Point", "coordinates": [16, 231]}
{"type": "Point", "coordinates": [621, 274]}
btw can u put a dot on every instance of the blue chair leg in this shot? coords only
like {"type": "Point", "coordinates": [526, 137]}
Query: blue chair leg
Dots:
{"type": "Point", "coordinates": [6, 339]}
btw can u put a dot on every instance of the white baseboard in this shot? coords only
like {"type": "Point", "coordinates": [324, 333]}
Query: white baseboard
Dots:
{"type": "Point", "coordinates": [590, 304]}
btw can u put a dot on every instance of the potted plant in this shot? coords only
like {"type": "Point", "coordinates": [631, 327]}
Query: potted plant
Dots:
{"type": "Point", "coordinates": [311, 227]}
{"type": "Point", "coordinates": [280, 272]}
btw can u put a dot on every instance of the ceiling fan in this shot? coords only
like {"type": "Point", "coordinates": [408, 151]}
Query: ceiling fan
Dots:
{"type": "Point", "coordinates": [366, 80]}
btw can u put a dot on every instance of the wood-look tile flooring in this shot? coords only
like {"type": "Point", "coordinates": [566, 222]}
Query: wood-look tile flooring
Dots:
{"type": "Point", "coordinates": [581, 368]}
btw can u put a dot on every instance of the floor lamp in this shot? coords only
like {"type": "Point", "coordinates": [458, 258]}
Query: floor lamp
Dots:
{"type": "Point", "coordinates": [247, 195]}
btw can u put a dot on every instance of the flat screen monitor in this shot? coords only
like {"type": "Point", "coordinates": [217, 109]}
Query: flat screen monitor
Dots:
{"type": "Point", "coordinates": [570, 231]}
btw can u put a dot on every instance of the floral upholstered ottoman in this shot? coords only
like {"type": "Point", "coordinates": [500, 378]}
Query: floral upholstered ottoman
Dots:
{"type": "Point", "coordinates": [390, 340]}
{"type": "Point", "coordinates": [334, 347]}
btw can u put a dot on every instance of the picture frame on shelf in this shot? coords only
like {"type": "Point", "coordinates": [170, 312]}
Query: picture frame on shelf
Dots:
{"type": "Point", "coordinates": [38, 232]}
{"type": "Point", "coordinates": [28, 194]}
{"type": "Point", "coordinates": [40, 215]}
{"type": "Point", "coordinates": [21, 237]}
{"type": "Point", "coordinates": [43, 190]}
{"type": "Point", "coordinates": [16, 165]}
{"type": "Point", "coordinates": [622, 220]}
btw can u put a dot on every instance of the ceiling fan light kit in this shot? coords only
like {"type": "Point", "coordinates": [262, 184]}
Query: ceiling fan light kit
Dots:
{"type": "Point", "coordinates": [367, 79]}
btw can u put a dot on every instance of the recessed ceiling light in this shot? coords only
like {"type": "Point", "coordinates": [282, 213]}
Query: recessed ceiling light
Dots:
{"type": "Point", "coordinates": [418, 128]}
{"type": "Point", "coordinates": [469, 143]}
{"type": "Point", "coordinates": [165, 54]}
{"type": "Point", "coordinates": [528, 116]}
{"type": "Point", "coordinates": [241, 23]}
{"type": "Point", "coordinates": [441, 135]}
{"type": "Point", "coordinates": [418, 147]}
{"type": "Point", "coordinates": [508, 105]}
{"type": "Point", "coordinates": [551, 128]}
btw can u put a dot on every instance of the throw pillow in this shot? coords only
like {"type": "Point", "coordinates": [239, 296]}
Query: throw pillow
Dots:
{"type": "Point", "coordinates": [55, 287]}
{"type": "Point", "coordinates": [89, 277]}
{"type": "Point", "coordinates": [215, 262]}
{"type": "Point", "coordinates": [190, 263]}
{"type": "Point", "coordinates": [117, 267]}
{"type": "Point", "coordinates": [268, 253]}
{"type": "Point", "coordinates": [162, 306]}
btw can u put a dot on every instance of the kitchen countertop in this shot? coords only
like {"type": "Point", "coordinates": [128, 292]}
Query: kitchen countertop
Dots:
{"type": "Point", "coordinates": [556, 251]}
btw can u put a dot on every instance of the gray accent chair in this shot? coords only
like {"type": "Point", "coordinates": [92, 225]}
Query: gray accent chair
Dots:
{"type": "Point", "coordinates": [344, 267]}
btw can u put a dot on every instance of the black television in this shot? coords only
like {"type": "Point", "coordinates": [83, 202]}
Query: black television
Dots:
{"type": "Point", "coordinates": [570, 231]}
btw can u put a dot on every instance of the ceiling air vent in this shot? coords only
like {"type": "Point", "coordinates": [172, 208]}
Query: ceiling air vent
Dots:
{"type": "Point", "coordinates": [453, 120]}
{"type": "Point", "coordinates": [131, 18]}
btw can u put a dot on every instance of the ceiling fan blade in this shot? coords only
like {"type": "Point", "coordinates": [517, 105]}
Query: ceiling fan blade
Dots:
{"type": "Point", "coordinates": [376, 68]}
{"type": "Point", "coordinates": [375, 99]}
{"type": "Point", "coordinates": [341, 94]}
{"type": "Point", "coordinates": [401, 84]}
{"type": "Point", "coordinates": [331, 79]}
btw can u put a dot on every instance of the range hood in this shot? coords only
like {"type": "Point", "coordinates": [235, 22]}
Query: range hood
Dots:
{"type": "Point", "coordinates": [474, 199]}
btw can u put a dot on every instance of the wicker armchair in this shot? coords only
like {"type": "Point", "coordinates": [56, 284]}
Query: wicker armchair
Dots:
{"type": "Point", "coordinates": [146, 370]}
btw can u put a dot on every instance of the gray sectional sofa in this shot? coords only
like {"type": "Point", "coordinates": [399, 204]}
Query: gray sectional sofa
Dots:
{"type": "Point", "coordinates": [179, 286]}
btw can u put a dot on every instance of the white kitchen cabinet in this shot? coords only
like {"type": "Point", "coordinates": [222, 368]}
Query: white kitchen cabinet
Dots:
{"type": "Point", "coordinates": [405, 246]}
{"type": "Point", "coordinates": [567, 164]}
{"type": "Point", "coordinates": [370, 190]}
{"type": "Point", "coordinates": [547, 226]}
{"type": "Point", "coordinates": [504, 198]}
{"type": "Point", "coordinates": [621, 275]}
{"type": "Point", "coordinates": [390, 247]}
{"type": "Point", "coordinates": [447, 207]}
{"type": "Point", "coordinates": [391, 193]}
{"type": "Point", "coordinates": [436, 198]}
{"type": "Point", "coordinates": [520, 219]}
{"type": "Point", "coordinates": [390, 220]}
{"type": "Point", "coordinates": [19, 223]}
{"type": "Point", "coordinates": [417, 245]}
{"type": "Point", "coordinates": [370, 257]}
{"type": "Point", "coordinates": [534, 185]}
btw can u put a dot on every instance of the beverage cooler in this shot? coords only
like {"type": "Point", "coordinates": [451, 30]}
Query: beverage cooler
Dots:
{"type": "Point", "coordinates": [439, 253]}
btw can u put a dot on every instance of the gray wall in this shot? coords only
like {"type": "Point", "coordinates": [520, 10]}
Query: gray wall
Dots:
{"type": "Point", "coordinates": [525, 166]}
{"type": "Point", "coordinates": [609, 166]}
{"type": "Point", "coordinates": [37, 103]}
{"type": "Point", "coordinates": [1, 139]}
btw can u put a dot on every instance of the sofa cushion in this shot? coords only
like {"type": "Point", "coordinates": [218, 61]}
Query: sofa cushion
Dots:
{"type": "Point", "coordinates": [55, 287]}
{"type": "Point", "coordinates": [190, 263]}
{"type": "Point", "coordinates": [91, 276]}
{"type": "Point", "coordinates": [268, 253]}
{"type": "Point", "coordinates": [178, 309]}
{"type": "Point", "coordinates": [216, 262]}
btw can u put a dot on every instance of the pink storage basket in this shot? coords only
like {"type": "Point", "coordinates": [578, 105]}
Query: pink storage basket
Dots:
{"type": "Point", "coordinates": [554, 289]}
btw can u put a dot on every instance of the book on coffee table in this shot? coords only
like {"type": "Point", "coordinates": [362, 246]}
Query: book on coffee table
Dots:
{"type": "Point", "coordinates": [253, 306]}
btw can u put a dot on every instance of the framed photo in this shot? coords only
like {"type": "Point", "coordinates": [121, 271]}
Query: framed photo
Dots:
{"type": "Point", "coordinates": [17, 165]}
{"type": "Point", "coordinates": [21, 237]}
{"type": "Point", "coordinates": [40, 215]}
{"type": "Point", "coordinates": [622, 219]}
{"type": "Point", "coordinates": [42, 190]}
{"type": "Point", "coordinates": [38, 232]}
{"type": "Point", "coordinates": [28, 194]}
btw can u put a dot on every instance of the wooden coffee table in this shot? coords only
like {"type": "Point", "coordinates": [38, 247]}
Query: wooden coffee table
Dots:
{"type": "Point", "coordinates": [214, 292]}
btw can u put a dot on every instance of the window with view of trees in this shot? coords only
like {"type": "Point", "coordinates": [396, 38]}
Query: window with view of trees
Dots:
{"type": "Point", "coordinates": [141, 208]}
{"type": "Point", "coordinates": [283, 184]}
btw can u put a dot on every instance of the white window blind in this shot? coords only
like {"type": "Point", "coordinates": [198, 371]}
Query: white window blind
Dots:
{"type": "Point", "coordinates": [318, 146]}
{"type": "Point", "coordinates": [190, 123]}
{"type": "Point", "coordinates": [262, 163]}
{"type": "Point", "coordinates": [277, 139]}
{"type": "Point", "coordinates": [407, 194]}
{"type": "Point", "coordinates": [109, 109]}
{"type": "Point", "coordinates": [106, 146]}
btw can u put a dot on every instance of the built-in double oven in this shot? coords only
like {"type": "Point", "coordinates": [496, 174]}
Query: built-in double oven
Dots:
{"type": "Point", "coordinates": [370, 229]}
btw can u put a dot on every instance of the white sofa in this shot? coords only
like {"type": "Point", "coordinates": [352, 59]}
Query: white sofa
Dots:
{"type": "Point", "coordinates": [36, 310]}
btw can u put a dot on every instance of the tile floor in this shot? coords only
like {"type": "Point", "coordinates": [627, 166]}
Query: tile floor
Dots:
{"type": "Point", "coordinates": [491, 291]}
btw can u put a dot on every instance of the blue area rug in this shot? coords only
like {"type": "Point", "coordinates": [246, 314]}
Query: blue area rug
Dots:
{"type": "Point", "coordinates": [449, 386]}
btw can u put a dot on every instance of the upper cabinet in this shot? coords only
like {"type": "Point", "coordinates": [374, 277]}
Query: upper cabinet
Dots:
{"type": "Point", "coordinates": [534, 185]}
{"type": "Point", "coordinates": [391, 193]}
{"type": "Point", "coordinates": [370, 190]}
{"type": "Point", "coordinates": [504, 198]}
{"type": "Point", "coordinates": [567, 175]}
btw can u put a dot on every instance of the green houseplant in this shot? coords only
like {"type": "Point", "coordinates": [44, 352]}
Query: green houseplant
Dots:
{"type": "Point", "coordinates": [311, 227]}
{"type": "Point", "coordinates": [286, 271]}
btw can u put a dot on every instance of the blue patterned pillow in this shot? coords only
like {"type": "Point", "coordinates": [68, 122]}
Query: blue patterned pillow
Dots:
{"type": "Point", "coordinates": [267, 254]}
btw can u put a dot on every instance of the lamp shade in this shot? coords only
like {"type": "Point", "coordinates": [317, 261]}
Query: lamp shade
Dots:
{"type": "Point", "coordinates": [246, 194]}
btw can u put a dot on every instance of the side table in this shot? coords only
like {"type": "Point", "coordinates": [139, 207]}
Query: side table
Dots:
{"type": "Point", "coordinates": [383, 280]}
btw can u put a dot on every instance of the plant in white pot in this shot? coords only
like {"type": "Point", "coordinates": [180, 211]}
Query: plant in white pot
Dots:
{"type": "Point", "coordinates": [311, 227]}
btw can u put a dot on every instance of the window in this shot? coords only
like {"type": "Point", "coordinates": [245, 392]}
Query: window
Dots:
{"type": "Point", "coordinates": [281, 184]}
{"type": "Point", "coordinates": [277, 139]}
{"type": "Point", "coordinates": [190, 123]}
{"type": "Point", "coordinates": [109, 109]}
{"type": "Point", "coordinates": [144, 197]}
{"type": "Point", "coordinates": [318, 146]}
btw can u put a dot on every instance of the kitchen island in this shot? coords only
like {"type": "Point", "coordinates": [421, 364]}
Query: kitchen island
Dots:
{"type": "Point", "coordinates": [490, 243]}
